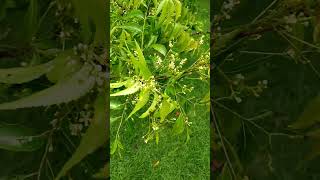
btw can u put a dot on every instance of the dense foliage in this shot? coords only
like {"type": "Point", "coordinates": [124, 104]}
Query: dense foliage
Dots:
{"type": "Point", "coordinates": [157, 48]}
{"type": "Point", "coordinates": [265, 78]}
{"type": "Point", "coordinates": [53, 89]}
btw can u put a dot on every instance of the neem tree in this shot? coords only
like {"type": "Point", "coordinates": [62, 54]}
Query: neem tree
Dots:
{"type": "Point", "coordinates": [155, 47]}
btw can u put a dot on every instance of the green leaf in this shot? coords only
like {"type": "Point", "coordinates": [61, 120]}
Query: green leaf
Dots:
{"type": "Point", "coordinates": [18, 138]}
{"type": "Point", "coordinates": [166, 107]}
{"type": "Point", "coordinates": [178, 7]}
{"type": "Point", "coordinates": [135, 13]}
{"type": "Point", "coordinates": [133, 27]}
{"type": "Point", "coordinates": [157, 137]}
{"type": "Point", "coordinates": [21, 75]}
{"type": "Point", "coordinates": [162, 4]}
{"type": "Point", "coordinates": [114, 146]}
{"type": "Point", "coordinates": [144, 70]}
{"type": "Point", "coordinates": [160, 48]}
{"type": "Point", "coordinates": [142, 101]}
{"type": "Point", "coordinates": [310, 115]}
{"type": "Point", "coordinates": [126, 83]}
{"type": "Point", "coordinates": [115, 105]}
{"type": "Point", "coordinates": [130, 90]}
{"type": "Point", "coordinates": [62, 92]}
{"type": "Point", "coordinates": [152, 106]}
{"type": "Point", "coordinates": [92, 11]}
{"type": "Point", "coordinates": [178, 127]}
{"type": "Point", "coordinates": [64, 65]}
{"type": "Point", "coordinates": [95, 136]}
{"type": "Point", "coordinates": [176, 32]}
{"type": "Point", "coordinates": [316, 30]}
{"type": "Point", "coordinates": [32, 18]}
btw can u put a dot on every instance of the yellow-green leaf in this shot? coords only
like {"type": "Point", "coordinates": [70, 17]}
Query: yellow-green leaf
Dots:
{"type": "Point", "coordinates": [144, 70]}
{"type": "Point", "coordinates": [95, 136]}
{"type": "Point", "coordinates": [130, 90]}
{"type": "Point", "coordinates": [160, 48]}
{"type": "Point", "coordinates": [166, 107]}
{"type": "Point", "coordinates": [142, 101]}
{"type": "Point", "coordinates": [20, 75]}
{"type": "Point", "coordinates": [65, 91]}
{"type": "Point", "coordinates": [64, 65]}
{"type": "Point", "coordinates": [152, 106]}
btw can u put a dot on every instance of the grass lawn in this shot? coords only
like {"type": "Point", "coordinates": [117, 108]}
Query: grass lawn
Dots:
{"type": "Point", "coordinates": [177, 160]}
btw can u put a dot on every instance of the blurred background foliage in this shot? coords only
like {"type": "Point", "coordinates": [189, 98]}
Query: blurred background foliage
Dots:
{"type": "Point", "coordinates": [34, 32]}
{"type": "Point", "coordinates": [264, 79]}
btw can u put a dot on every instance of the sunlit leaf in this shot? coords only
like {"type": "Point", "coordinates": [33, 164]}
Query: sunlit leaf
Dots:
{"type": "Point", "coordinates": [160, 48]}
{"type": "Point", "coordinates": [152, 106]}
{"type": "Point", "coordinates": [166, 107]}
{"type": "Point", "coordinates": [142, 100]}
{"type": "Point", "coordinates": [130, 90]}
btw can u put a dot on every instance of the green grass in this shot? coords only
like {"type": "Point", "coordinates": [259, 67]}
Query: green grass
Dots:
{"type": "Point", "coordinates": [177, 159]}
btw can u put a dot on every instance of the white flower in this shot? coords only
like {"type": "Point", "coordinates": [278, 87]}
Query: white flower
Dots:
{"type": "Point", "coordinates": [172, 65]}
{"type": "Point", "coordinates": [183, 61]}
{"type": "Point", "coordinates": [170, 44]}
{"type": "Point", "coordinates": [75, 129]}
{"type": "Point", "coordinates": [291, 19]}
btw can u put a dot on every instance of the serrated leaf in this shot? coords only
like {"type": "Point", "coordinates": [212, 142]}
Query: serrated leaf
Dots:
{"type": "Point", "coordinates": [160, 6]}
{"type": "Point", "coordinates": [310, 115]}
{"type": "Point", "coordinates": [142, 101]}
{"type": "Point", "coordinates": [94, 138]}
{"type": "Point", "coordinates": [178, 126]}
{"type": "Point", "coordinates": [176, 32]}
{"type": "Point", "coordinates": [20, 75]}
{"type": "Point", "coordinates": [160, 48]}
{"type": "Point", "coordinates": [178, 7]}
{"type": "Point", "coordinates": [18, 138]}
{"type": "Point", "coordinates": [64, 65]}
{"type": "Point", "coordinates": [152, 106]}
{"type": "Point", "coordinates": [144, 70]}
{"type": "Point", "coordinates": [130, 90]}
{"type": "Point", "coordinates": [62, 92]}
